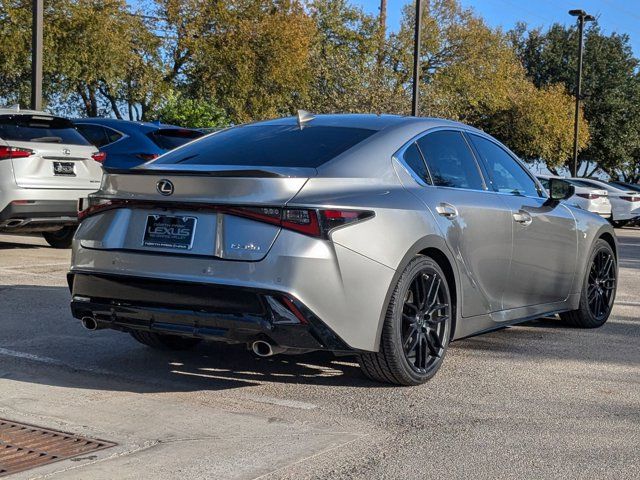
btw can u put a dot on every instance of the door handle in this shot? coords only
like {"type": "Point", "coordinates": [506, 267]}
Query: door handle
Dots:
{"type": "Point", "coordinates": [523, 218]}
{"type": "Point", "coordinates": [447, 210]}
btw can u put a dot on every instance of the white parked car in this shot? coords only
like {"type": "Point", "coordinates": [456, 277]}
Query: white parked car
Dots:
{"type": "Point", "coordinates": [625, 204]}
{"type": "Point", "coordinates": [586, 197]}
{"type": "Point", "coordinates": [46, 165]}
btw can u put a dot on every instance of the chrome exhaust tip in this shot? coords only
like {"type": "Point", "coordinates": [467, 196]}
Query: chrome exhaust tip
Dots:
{"type": "Point", "coordinates": [262, 348]}
{"type": "Point", "coordinates": [266, 349]}
{"type": "Point", "coordinates": [89, 323]}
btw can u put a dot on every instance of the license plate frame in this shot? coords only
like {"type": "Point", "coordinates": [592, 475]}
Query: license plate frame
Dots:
{"type": "Point", "coordinates": [175, 232]}
{"type": "Point", "coordinates": [64, 169]}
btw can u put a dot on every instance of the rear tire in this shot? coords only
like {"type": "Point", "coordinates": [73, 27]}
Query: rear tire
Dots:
{"type": "Point", "coordinates": [60, 238]}
{"type": "Point", "coordinates": [161, 341]}
{"type": "Point", "coordinates": [598, 289]}
{"type": "Point", "coordinates": [416, 329]}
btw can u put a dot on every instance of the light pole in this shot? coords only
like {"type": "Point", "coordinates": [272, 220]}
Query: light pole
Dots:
{"type": "Point", "coordinates": [582, 17]}
{"type": "Point", "coordinates": [416, 59]}
{"type": "Point", "coordinates": [36, 54]}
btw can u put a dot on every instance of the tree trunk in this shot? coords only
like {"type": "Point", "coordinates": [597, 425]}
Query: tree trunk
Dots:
{"type": "Point", "coordinates": [112, 101]}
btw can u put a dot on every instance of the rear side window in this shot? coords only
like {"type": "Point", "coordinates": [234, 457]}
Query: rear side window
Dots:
{"type": "Point", "coordinates": [414, 161]}
{"type": "Point", "coordinates": [507, 174]}
{"type": "Point", "coordinates": [269, 145]}
{"type": "Point", "coordinates": [41, 129]}
{"type": "Point", "coordinates": [450, 160]}
{"type": "Point", "coordinates": [94, 133]}
{"type": "Point", "coordinates": [170, 138]}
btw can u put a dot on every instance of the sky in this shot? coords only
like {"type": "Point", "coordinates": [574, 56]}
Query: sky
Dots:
{"type": "Point", "coordinates": [620, 16]}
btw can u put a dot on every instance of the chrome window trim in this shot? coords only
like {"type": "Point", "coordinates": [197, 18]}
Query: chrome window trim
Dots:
{"type": "Point", "coordinates": [124, 135]}
{"type": "Point", "coordinates": [469, 130]}
{"type": "Point", "coordinates": [398, 155]}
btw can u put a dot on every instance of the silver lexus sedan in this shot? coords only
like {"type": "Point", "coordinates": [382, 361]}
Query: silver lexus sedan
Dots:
{"type": "Point", "coordinates": [379, 236]}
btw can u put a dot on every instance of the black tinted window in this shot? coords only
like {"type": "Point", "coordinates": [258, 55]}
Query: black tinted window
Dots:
{"type": "Point", "coordinates": [35, 128]}
{"type": "Point", "coordinates": [270, 145]}
{"type": "Point", "coordinates": [112, 135]}
{"type": "Point", "coordinates": [413, 159]}
{"type": "Point", "coordinates": [170, 138]}
{"type": "Point", "coordinates": [450, 161]}
{"type": "Point", "coordinates": [508, 176]}
{"type": "Point", "coordinates": [94, 133]}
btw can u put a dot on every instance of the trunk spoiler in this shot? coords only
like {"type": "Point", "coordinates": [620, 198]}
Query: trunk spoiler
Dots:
{"type": "Point", "coordinates": [217, 171]}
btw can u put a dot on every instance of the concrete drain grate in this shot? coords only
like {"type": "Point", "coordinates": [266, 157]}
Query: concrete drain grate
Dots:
{"type": "Point", "coordinates": [23, 446]}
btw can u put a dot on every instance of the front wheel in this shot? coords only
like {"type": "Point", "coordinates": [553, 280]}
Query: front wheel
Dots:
{"type": "Point", "coordinates": [598, 289]}
{"type": "Point", "coordinates": [60, 238]}
{"type": "Point", "coordinates": [416, 329]}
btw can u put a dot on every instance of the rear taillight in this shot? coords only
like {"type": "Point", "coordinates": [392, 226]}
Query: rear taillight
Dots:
{"type": "Point", "coordinates": [631, 198]}
{"type": "Point", "coordinates": [309, 221]}
{"type": "Point", "coordinates": [14, 152]}
{"type": "Point", "coordinates": [99, 157]}
{"type": "Point", "coordinates": [147, 156]}
{"type": "Point", "coordinates": [589, 196]}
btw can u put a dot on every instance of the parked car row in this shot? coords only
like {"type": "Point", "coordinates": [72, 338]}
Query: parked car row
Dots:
{"type": "Point", "coordinates": [616, 201]}
{"type": "Point", "coordinates": [48, 162]}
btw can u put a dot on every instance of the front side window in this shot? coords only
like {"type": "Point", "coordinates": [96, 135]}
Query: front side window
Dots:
{"type": "Point", "coordinates": [450, 160]}
{"type": "Point", "coordinates": [414, 161]}
{"type": "Point", "coordinates": [508, 176]}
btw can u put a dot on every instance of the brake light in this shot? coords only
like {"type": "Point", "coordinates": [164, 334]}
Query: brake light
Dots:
{"type": "Point", "coordinates": [97, 205]}
{"type": "Point", "coordinates": [99, 157]}
{"type": "Point", "coordinates": [589, 196]}
{"type": "Point", "coordinates": [631, 199]}
{"type": "Point", "coordinates": [312, 222]}
{"type": "Point", "coordinates": [14, 152]}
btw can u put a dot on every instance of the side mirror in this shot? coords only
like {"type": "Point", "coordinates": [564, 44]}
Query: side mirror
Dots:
{"type": "Point", "coordinates": [560, 189]}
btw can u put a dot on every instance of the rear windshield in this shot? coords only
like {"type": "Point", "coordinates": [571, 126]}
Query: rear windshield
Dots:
{"type": "Point", "coordinates": [586, 183]}
{"type": "Point", "coordinates": [34, 128]}
{"type": "Point", "coordinates": [269, 146]}
{"type": "Point", "coordinates": [170, 138]}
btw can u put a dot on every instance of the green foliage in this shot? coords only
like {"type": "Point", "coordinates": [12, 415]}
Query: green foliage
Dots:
{"type": "Point", "coordinates": [192, 113]}
{"type": "Point", "coordinates": [610, 88]}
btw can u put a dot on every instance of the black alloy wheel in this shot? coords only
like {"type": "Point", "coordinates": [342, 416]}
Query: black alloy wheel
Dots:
{"type": "Point", "coordinates": [424, 320]}
{"type": "Point", "coordinates": [416, 329]}
{"type": "Point", "coordinates": [598, 289]}
{"type": "Point", "coordinates": [601, 284]}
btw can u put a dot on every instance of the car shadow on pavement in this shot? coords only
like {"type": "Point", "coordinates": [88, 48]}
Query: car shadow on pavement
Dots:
{"type": "Point", "coordinates": [40, 342]}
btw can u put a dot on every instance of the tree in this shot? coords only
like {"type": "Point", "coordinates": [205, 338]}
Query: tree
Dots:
{"type": "Point", "coordinates": [610, 87]}
{"type": "Point", "coordinates": [189, 112]}
{"type": "Point", "coordinates": [469, 72]}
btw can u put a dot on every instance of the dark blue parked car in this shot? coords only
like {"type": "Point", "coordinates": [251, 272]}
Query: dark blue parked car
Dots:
{"type": "Point", "coordinates": [128, 144]}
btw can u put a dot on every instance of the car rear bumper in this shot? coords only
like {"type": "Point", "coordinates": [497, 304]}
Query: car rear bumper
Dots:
{"type": "Point", "coordinates": [212, 312]}
{"type": "Point", "coordinates": [29, 214]}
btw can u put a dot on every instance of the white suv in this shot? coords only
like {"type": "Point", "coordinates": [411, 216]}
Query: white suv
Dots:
{"type": "Point", "coordinates": [46, 165]}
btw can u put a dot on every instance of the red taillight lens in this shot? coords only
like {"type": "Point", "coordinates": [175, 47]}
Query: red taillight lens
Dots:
{"type": "Point", "coordinates": [97, 205]}
{"type": "Point", "coordinates": [312, 222]}
{"type": "Point", "coordinates": [99, 157]}
{"type": "Point", "coordinates": [589, 196]}
{"type": "Point", "coordinates": [147, 156]}
{"type": "Point", "coordinates": [14, 152]}
{"type": "Point", "coordinates": [631, 199]}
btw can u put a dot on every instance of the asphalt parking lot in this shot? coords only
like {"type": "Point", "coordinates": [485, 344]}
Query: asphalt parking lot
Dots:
{"type": "Point", "coordinates": [533, 401]}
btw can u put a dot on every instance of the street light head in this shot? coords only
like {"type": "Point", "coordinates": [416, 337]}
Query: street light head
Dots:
{"type": "Point", "coordinates": [577, 13]}
{"type": "Point", "coordinates": [589, 18]}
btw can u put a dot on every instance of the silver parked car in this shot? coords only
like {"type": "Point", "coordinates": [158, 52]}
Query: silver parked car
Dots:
{"type": "Point", "coordinates": [380, 236]}
{"type": "Point", "coordinates": [45, 167]}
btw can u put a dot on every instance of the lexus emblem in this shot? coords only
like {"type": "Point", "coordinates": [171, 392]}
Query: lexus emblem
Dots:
{"type": "Point", "coordinates": [66, 151]}
{"type": "Point", "coordinates": [164, 187]}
